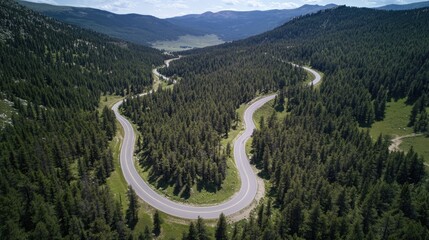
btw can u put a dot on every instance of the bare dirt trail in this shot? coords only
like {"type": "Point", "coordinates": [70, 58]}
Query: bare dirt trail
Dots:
{"type": "Point", "coordinates": [394, 146]}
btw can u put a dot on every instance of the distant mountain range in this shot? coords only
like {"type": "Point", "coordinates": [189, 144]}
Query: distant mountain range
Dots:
{"type": "Point", "coordinates": [410, 6]}
{"type": "Point", "coordinates": [146, 30]}
{"type": "Point", "coordinates": [234, 25]}
{"type": "Point", "coordinates": [141, 29]}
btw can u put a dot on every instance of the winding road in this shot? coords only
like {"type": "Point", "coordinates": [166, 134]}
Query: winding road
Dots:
{"type": "Point", "coordinates": [317, 77]}
{"type": "Point", "coordinates": [243, 198]}
{"type": "Point", "coordinates": [166, 64]}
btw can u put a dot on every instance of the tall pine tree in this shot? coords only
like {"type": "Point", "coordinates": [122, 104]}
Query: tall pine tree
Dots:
{"type": "Point", "coordinates": [156, 224]}
{"type": "Point", "coordinates": [132, 216]}
{"type": "Point", "coordinates": [221, 228]}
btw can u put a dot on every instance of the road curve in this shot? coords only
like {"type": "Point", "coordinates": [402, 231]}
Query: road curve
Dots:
{"type": "Point", "coordinates": [243, 198]}
{"type": "Point", "coordinates": [166, 64]}
{"type": "Point", "coordinates": [317, 77]}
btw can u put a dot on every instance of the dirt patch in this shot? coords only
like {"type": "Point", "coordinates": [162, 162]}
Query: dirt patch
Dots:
{"type": "Point", "coordinates": [394, 146]}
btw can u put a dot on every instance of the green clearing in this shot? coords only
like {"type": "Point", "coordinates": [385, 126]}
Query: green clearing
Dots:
{"type": "Point", "coordinates": [395, 121]}
{"type": "Point", "coordinates": [187, 42]}
{"type": "Point", "coordinates": [395, 124]}
{"type": "Point", "coordinates": [171, 227]}
{"type": "Point", "coordinates": [109, 101]}
{"type": "Point", "coordinates": [420, 145]}
{"type": "Point", "coordinates": [157, 82]}
{"type": "Point", "coordinates": [116, 181]}
{"type": "Point", "coordinates": [266, 111]}
{"type": "Point", "coordinates": [166, 85]}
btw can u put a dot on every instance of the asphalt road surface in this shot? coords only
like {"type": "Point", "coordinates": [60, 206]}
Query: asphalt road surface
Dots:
{"type": "Point", "coordinates": [243, 198]}
{"type": "Point", "coordinates": [166, 64]}
{"type": "Point", "coordinates": [317, 77]}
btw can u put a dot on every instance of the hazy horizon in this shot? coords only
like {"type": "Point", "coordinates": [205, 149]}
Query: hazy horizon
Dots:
{"type": "Point", "coordinates": [172, 8]}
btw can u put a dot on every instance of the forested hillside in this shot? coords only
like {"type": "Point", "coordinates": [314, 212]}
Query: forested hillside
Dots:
{"type": "Point", "coordinates": [369, 56]}
{"type": "Point", "coordinates": [140, 29]}
{"type": "Point", "coordinates": [54, 155]}
{"type": "Point", "coordinates": [328, 178]}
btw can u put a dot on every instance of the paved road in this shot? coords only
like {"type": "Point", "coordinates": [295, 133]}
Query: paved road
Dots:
{"type": "Point", "coordinates": [317, 77]}
{"type": "Point", "coordinates": [243, 198]}
{"type": "Point", "coordinates": [166, 64]}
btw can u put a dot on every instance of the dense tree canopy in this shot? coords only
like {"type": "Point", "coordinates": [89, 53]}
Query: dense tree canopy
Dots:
{"type": "Point", "coordinates": [54, 156]}
{"type": "Point", "coordinates": [56, 65]}
{"type": "Point", "coordinates": [328, 178]}
{"type": "Point", "coordinates": [369, 56]}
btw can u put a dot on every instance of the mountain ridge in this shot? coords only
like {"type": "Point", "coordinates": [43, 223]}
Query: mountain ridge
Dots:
{"type": "Point", "coordinates": [147, 29]}
{"type": "Point", "coordinates": [226, 25]}
{"type": "Point", "coordinates": [141, 29]}
{"type": "Point", "coordinates": [400, 7]}
{"type": "Point", "coordinates": [233, 25]}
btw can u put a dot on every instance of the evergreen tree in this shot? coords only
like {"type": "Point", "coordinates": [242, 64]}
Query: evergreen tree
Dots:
{"type": "Point", "coordinates": [192, 233]}
{"type": "Point", "coordinates": [133, 208]}
{"type": "Point", "coordinates": [295, 216]}
{"type": "Point", "coordinates": [156, 224]}
{"type": "Point", "coordinates": [146, 235]}
{"type": "Point", "coordinates": [312, 224]}
{"type": "Point", "coordinates": [356, 232]}
{"type": "Point", "coordinates": [422, 122]}
{"type": "Point", "coordinates": [404, 202]}
{"type": "Point", "coordinates": [235, 233]}
{"type": "Point", "coordinates": [228, 149]}
{"type": "Point", "coordinates": [221, 228]}
{"type": "Point", "coordinates": [201, 229]}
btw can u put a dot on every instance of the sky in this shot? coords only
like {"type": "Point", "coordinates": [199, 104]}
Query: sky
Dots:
{"type": "Point", "coordinates": [171, 8]}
